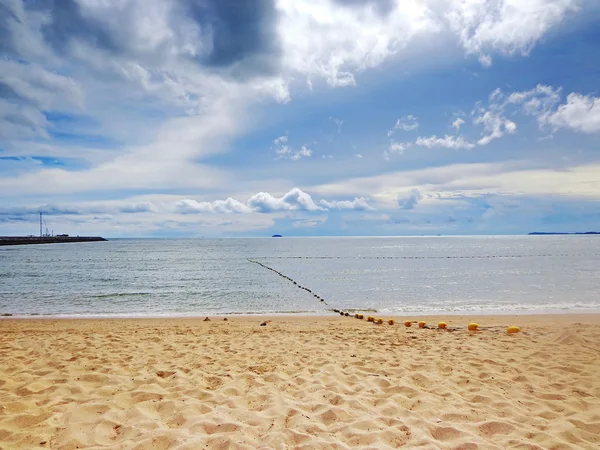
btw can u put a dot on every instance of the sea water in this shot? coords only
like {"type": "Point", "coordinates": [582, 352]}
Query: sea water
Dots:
{"type": "Point", "coordinates": [390, 275]}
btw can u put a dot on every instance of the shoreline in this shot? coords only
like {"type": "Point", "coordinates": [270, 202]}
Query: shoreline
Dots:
{"type": "Point", "coordinates": [407, 316]}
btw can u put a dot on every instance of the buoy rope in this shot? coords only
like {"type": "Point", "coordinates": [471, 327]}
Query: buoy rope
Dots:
{"type": "Point", "coordinates": [342, 312]}
{"type": "Point", "coordinates": [547, 255]}
{"type": "Point", "coordinates": [318, 297]}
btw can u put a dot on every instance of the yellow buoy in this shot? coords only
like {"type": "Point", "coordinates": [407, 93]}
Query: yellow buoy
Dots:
{"type": "Point", "coordinates": [513, 329]}
{"type": "Point", "coordinates": [422, 324]}
{"type": "Point", "coordinates": [442, 325]}
{"type": "Point", "coordinates": [408, 323]}
{"type": "Point", "coordinates": [391, 321]}
{"type": "Point", "coordinates": [371, 319]}
{"type": "Point", "coordinates": [472, 326]}
{"type": "Point", "coordinates": [379, 321]}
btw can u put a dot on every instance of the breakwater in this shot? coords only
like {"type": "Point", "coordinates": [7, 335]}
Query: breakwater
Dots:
{"type": "Point", "coordinates": [26, 240]}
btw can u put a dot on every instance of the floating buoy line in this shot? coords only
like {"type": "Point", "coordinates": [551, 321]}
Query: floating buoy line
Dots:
{"type": "Point", "coordinates": [542, 255]}
{"type": "Point", "coordinates": [443, 326]}
{"type": "Point", "coordinates": [318, 297]}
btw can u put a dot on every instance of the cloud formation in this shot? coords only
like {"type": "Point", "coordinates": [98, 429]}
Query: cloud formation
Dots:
{"type": "Point", "coordinates": [408, 123]}
{"type": "Point", "coordinates": [487, 26]}
{"type": "Point", "coordinates": [229, 206]}
{"type": "Point", "coordinates": [294, 200]}
{"type": "Point", "coordinates": [410, 199]}
{"type": "Point", "coordinates": [580, 113]}
{"type": "Point", "coordinates": [457, 124]}
{"type": "Point", "coordinates": [448, 141]}
{"type": "Point", "coordinates": [358, 204]}
{"type": "Point", "coordinates": [284, 151]}
{"type": "Point", "coordinates": [399, 147]}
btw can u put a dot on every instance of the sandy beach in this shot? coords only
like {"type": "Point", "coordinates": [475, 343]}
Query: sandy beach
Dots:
{"type": "Point", "coordinates": [300, 382]}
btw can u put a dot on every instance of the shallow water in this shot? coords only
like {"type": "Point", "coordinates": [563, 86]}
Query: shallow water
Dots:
{"type": "Point", "coordinates": [191, 277]}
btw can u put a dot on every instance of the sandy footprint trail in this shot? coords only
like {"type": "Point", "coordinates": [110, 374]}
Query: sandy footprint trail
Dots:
{"type": "Point", "coordinates": [304, 383]}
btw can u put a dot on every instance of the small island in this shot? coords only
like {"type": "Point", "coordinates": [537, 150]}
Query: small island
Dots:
{"type": "Point", "coordinates": [551, 233]}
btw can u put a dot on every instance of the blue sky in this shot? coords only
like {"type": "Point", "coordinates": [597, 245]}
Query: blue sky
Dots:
{"type": "Point", "coordinates": [301, 117]}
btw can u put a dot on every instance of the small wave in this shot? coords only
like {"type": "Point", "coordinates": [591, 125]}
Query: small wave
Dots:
{"type": "Point", "coordinates": [120, 294]}
{"type": "Point", "coordinates": [167, 314]}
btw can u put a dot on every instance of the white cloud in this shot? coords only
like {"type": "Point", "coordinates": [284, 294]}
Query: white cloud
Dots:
{"type": "Point", "coordinates": [22, 121]}
{"type": "Point", "coordinates": [189, 206]}
{"type": "Point", "coordinates": [308, 223]}
{"type": "Point", "coordinates": [397, 148]}
{"type": "Point", "coordinates": [513, 178]}
{"type": "Point", "coordinates": [408, 123]}
{"type": "Point", "coordinates": [325, 39]}
{"type": "Point", "coordinates": [358, 204]}
{"type": "Point", "coordinates": [358, 155]}
{"type": "Point", "coordinates": [280, 140]}
{"type": "Point", "coordinates": [410, 199]}
{"type": "Point", "coordinates": [284, 151]}
{"type": "Point", "coordinates": [294, 200]}
{"type": "Point", "coordinates": [580, 113]}
{"type": "Point", "coordinates": [304, 152]}
{"type": "Point", "coordinates": [457, 124]}
{"type": "Point", "coordinates": [38, 86]}
{"type": "Point", "coordinates": [138, 207]}
{"type": "Point", "coordinates": [455, 142]}
{"type": "Point", "coordinates": [538, 101]}
{"type": "Point", "coordinates": [505, 26]}
{"type": "Point", "coordinates": [495, 124]}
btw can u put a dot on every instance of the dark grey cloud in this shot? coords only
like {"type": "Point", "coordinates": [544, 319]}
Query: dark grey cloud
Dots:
{"type": "Point", "coordinates": [8, 93]}
{"type": "Point", "coordinates": [133, 208]}
{"type": "Point", "coordinates": [243, 33]}
{"type": "Point", "coordinates": [58, 210]}
{"type": "Point", "coordinates": [46, 209]}
{"type": "Point", "coordinates": [410, 199]}
{"type": "Point", "coordinates": [7, 19]}
{"type": "Point", "coordinates": [67, 23]}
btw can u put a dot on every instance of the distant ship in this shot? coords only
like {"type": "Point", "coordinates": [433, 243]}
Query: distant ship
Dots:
{"type": "Point", "coordinates": [277, 235]}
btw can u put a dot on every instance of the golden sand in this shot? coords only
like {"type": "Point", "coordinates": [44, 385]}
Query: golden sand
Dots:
{"type": "Point", "coordinates": [304, 383]}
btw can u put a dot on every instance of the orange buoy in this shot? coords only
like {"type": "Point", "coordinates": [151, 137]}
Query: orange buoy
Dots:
{"type": "Point", "coordinates": [442, 325]}
{"type": "Point", "coordinates": [361, 317]}
{"type": "Point", "coordinates": [356, 316]}
{"type": "Point", "coordinates": [513, 329]}
{"type": "Point", "coordinates": [371, 319]}
{"type": "Point", "coordinates": [472, 326]}
{"type": "Point", "coordinates": [422, 324]}
{"type": "Point", "coordinates": [379, 321]}
{"type": "Point", "coordinates": [391, 321]}
{"type": "Point", "coordinates": [408, 323]}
